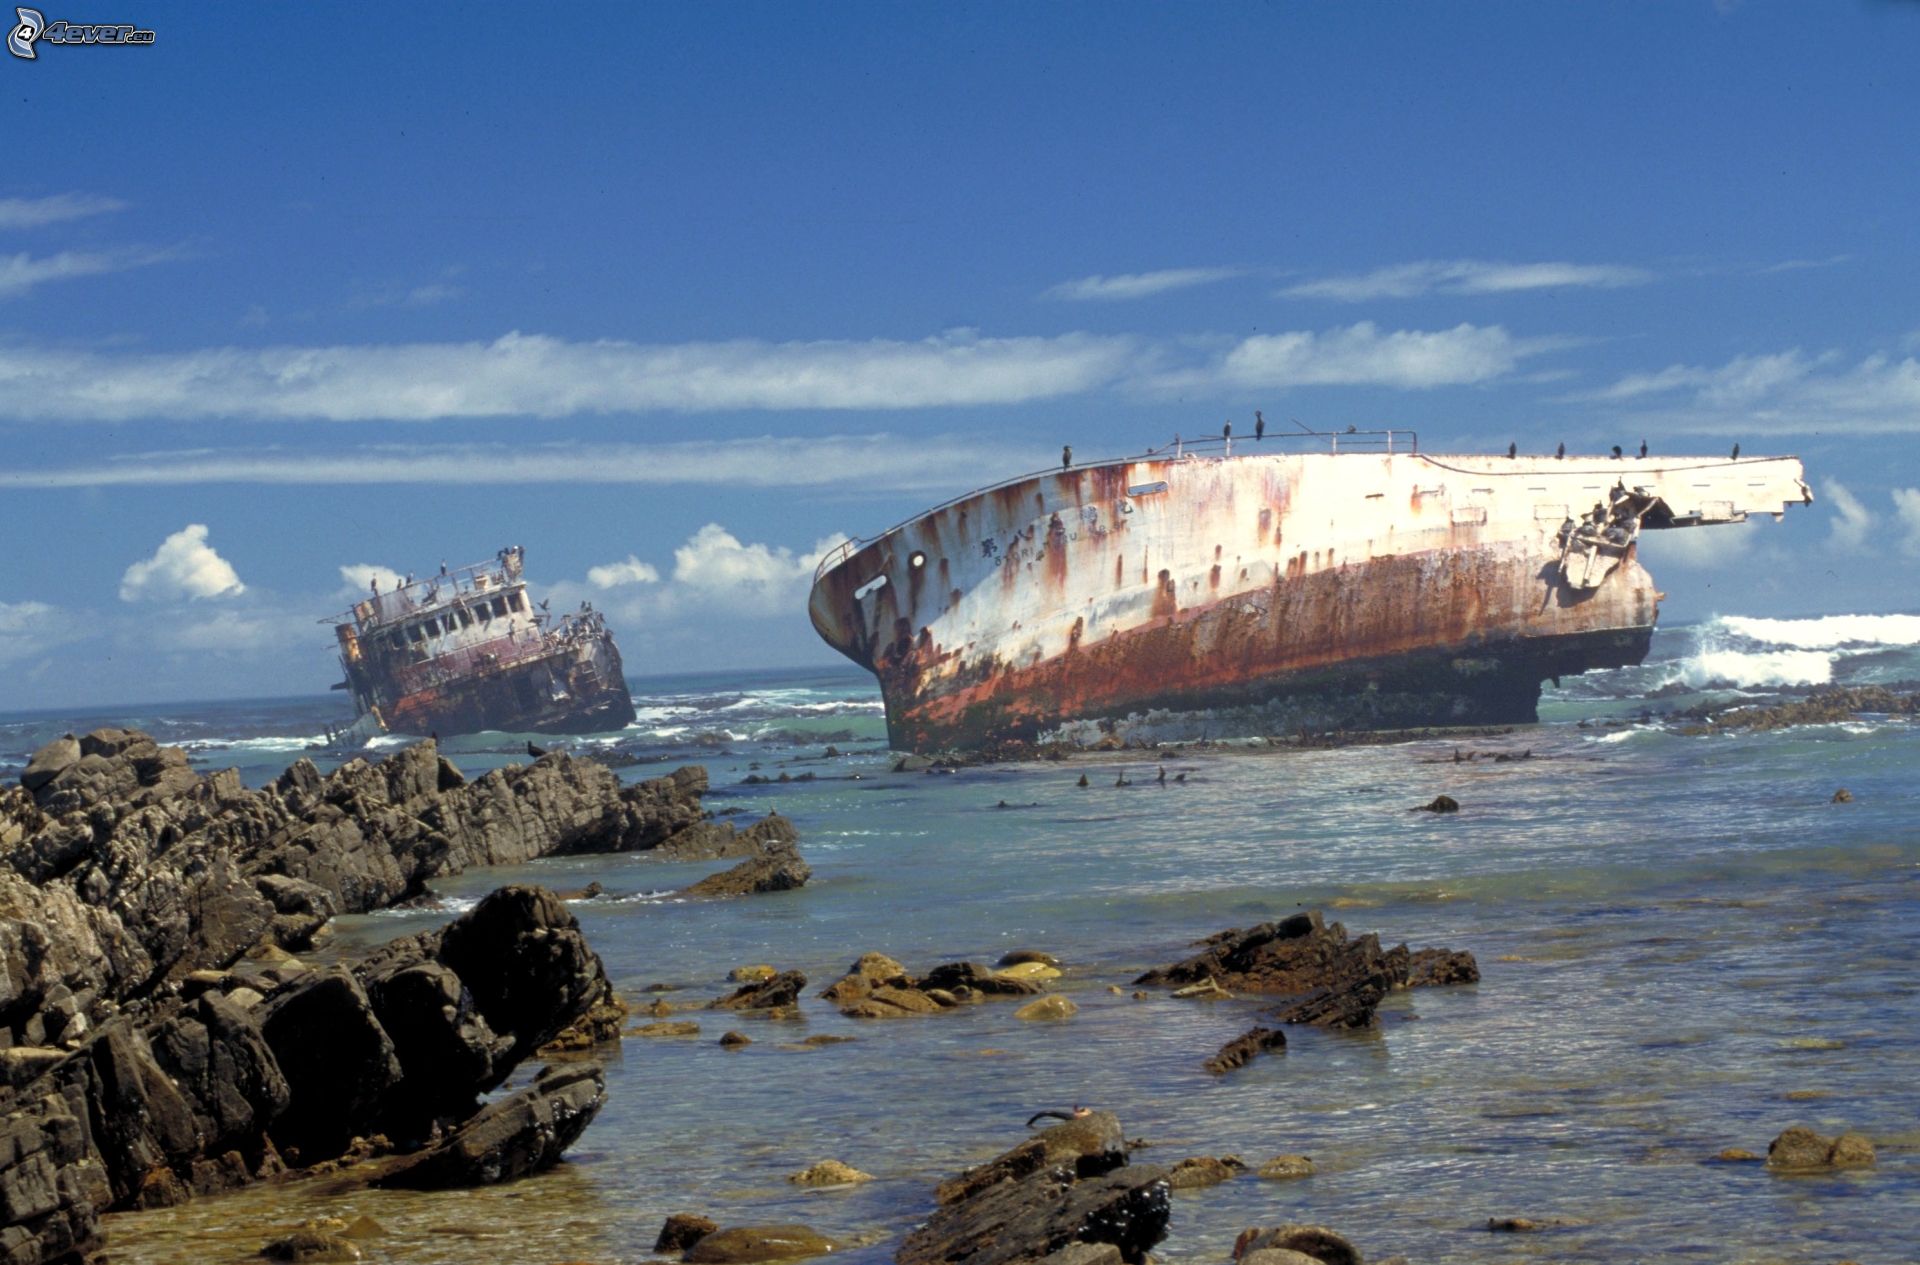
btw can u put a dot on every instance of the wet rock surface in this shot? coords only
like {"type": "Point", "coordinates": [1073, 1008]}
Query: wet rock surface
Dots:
{"type": "Point", "coordinates": [519, 1135]}
{"type": "Point", "coordinates": [775, 866]}
{"type": "Point", "coordinates": [1332, 980]}
{"type": "Point", "coordinates": [1314, 1242]}
{"type": "Point", "coordinates": [877, 987]}
{"type": "Point", "coordinates": [1800, 1149]}
{"type": "Point", "coordinates": [1246, 1047]}
{"type": "Point", "coordinates": [1067, 1189]}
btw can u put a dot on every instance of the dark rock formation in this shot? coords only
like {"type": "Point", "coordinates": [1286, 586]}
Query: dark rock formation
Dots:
{"type": "Point", "coordinates": [776, 865]}
{"type": "Point", "coordinates": [1068, 1185]}
{"type": "Point", "coordinates": [1824, 705]}
{"type": "Point", "coordinates": [1244, 1048]}
{"type": "Point", "coordinates": [182, 1097]}
{"type": "Point", "coordinates": [877, 987]}
{"type": "Point", "coordinates": [1439, 804]}
{"type": "Point", "coordinates": [1204, 1170]}
{"type": "Point", "coordinates": [1333, 981]}
{"type": "Point", "coordinates": [520, 1134]}
{"type": "Point", "coordinates": [125, 872]}
{"type": "Point", "coordinates": [773, 994]}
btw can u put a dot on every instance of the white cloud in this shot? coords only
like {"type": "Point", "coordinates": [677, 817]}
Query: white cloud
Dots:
{"type": "Point", "coordinates": [892, 463]}
{"type": "Point", "coordinates": [18, 213]}
{"type": "Point", "coordinates": [1360, 355]}
{"type": "Point", "coordinates": [1853, 522]}
{"type": "Point", "coordinates": [22, 272]}
{"type": "Point", "coordinates": [184, 566]}
{"type": "Point", "coordinates": [27, 628]}
{"type": "Point", "coordinates": [358, 579]}
{"type": "Point", "coordinates": [1906, 507]}
{"type": "Point", "coordinates": [631, 571]}
{"type": "Point", "coordinates": [714, 564]}
{"type": "Point", "coordinates": [1695, 548]}
{"type": "Point", "coordinates": [1138, 285]}
{"type": "Point", "coordinates": [531, 374]}
{"type": "Point", "coordinates": [229, 631]}
{"type": "Point", "coordinates": [1793, 391]}
{"type": "Point", "coordinates": [1467, 276]}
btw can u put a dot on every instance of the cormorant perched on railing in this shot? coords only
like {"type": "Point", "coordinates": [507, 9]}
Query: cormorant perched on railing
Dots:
{"type": "Point", "coordinates": [1259, 426]}
{"type": "Point", "coordinates": [1560, 452]}
{"type": "Point", "coordinates": [1643, 447]}
{"type": "Point", "coordinates": [1736, 452]}
{"type": "Point", "coordinates": [1513, 450]}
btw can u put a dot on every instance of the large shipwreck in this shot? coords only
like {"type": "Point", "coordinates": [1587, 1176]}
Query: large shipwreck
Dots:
{"type": "Point", "coordinates": [467, 650]}
{"type": "Point", "coordinates": [1199, 589]}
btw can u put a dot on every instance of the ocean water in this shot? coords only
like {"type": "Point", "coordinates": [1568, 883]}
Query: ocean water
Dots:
{"type": "Point", "coordinates": [1685, 946]}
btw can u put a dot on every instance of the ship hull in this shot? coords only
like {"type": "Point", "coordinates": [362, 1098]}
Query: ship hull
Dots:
{"type": "Point", "coordinates": [535, 697]}
{"type": "Point", "coordinates": [1265, 594]}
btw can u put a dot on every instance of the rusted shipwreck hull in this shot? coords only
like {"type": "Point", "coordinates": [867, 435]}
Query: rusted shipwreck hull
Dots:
{"type": "Point", "coordinates": [466, 651]}
{"type": "Point", "coordinates": [1267, 592]}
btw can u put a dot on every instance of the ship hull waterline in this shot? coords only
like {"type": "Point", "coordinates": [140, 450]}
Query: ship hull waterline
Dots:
{"type": "Point", "coordinates": [1268, 594]}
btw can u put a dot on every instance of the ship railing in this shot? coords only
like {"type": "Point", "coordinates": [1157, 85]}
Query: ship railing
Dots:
{"type": "Point", "coordinates": [428, 592]}
{"type": "Point", "coordinates": [1201, 447]}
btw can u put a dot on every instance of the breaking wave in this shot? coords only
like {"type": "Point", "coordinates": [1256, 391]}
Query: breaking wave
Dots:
{"type": "Point", "coordinates": [1828, 632]}
{"type": "Point", "coordinates": [1753, 669]}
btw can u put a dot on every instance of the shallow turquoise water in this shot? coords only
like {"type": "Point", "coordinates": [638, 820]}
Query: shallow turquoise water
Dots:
{"type": "Point", "coordinates": [1685, 947]}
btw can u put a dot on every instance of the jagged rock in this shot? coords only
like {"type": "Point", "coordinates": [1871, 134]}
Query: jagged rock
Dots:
{"type": "Point", "coordinates": [1800, 1149]}
{"type": "Point", "coordinates": [1044, 1212]}
{"type": "Point", "coordinates": [829, 1173]}
{"type": "Point", "coordinates": [776, 867]}
{"type": "Point", "coordinates": [1334, 981]}
{"type": "Point", "coordinates": [1204, 1170]}
{"type": "Point", "coordinates": [681, 1231]}
{"type": "Point", "coordinates": [519, 1135]}
{"type": "Point", "coordinates": [128, 871]}
{"type": "Point", "coordinates": [338, 1060]}
{"type": "Point", "coordinates": [1314, 1241]}
{"type": "Point", "coordinates": [872, 970]}
{"type": "Point", "coordinates": [738, 1245]}
{"type": "Point", "coordinates": [1089, 1145]}
{"type": "Point", "coordinates": [1244, 1048]}
{"type": "Point", "coordinates": [1436, 968]}
{"type": "Point", "coordinates": [782, 990]}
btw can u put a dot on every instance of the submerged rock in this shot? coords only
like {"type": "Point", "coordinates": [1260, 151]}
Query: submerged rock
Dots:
{"type": "Point", "coordinates": [1244, 1048]}
{"type": "Point", "coordinates": [682, 1230]}
{"type": "Point", "coordinates": [1287, 1168]}
{"type": "Point", "coordinates": [1047, 1008]}
{"type": "Point", "coordinates": [1204, 1170]}
{"type": "Point", "coordinates": [771, 994]}
{"type": "Point", "coordinates": [1800, 1149]}
{"type": "Point", "coordinates": [829, 1173]}
{"type": "Point", "coordinates": [311, 1245]}
{"type": "Point", "coordinates": [1312, 1241]}
{"type": "Point", "coordinates": [738, 1245]}
{"type": "Point", "coordinates": [775, 866]}
{"type": "Point", "coordinates": [1088, 1145]}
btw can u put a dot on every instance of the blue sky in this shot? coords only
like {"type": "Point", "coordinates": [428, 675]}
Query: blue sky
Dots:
{"type": "Point", "coordinates": [675, 295]}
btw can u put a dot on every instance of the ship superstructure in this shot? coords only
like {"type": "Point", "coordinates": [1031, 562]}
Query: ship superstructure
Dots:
{"type": "Point", "coordinates": [467, 650]}
{"type": "Point", "coordinates": [1366, 585]}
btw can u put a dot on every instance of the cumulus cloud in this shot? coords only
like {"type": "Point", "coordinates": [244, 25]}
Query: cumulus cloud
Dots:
{"type": "Point", "coordinates": [1138, 285]}
{"type": "Point", "coordinates": [892, 462]}
{"type": "Point", "coordinates": [229, 631]}
{"type": "Point", "coordinates": [1852, 523]}
{"type": "Point", "coordinates": [1793, 391]}
{"type": "Point", "coordinates": [1466, 276]}
{"type": "Point", "coordinates": [1906, 508]}
{"type": "Point", "coordinates": [1362, 355]}
{"type": "Point", "coordinates": [184, 566]}
{"type": "Point", "coordinates": [20, 273]}
{"type": "Point", "coordinates": [358, 578]}
{"type": "Point", "coordinates": [17, 213]}
{"type": "Point", "coordinates": [714, 564]}
{"type": "Point", "coordinates": [532, 374]}
{"type": "Point", "coordinates": [630, 571]}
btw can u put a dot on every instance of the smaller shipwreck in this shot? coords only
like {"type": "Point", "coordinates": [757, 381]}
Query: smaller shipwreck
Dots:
{"type": "Point", "coordinates": [467, 650]}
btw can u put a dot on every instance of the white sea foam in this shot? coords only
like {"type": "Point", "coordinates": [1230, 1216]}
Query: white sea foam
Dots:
{"type": "Point", "coordinates": [1750, 669]}
{"type": "Point", "coordinates": [1828, 632]}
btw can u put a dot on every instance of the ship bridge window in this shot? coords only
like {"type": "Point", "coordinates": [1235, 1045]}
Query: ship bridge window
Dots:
{"type": "Point", "coordinates": [464, 616]}
{"type": "Point", "coordinates": [519, 600]}
{"type": "Point", "coordinates": [500, 608]}
{"type": "Point", "coordinates": [481, 613]}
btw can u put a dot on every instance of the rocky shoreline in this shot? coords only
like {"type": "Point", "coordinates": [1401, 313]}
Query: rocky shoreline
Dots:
{"type": "Point", "coordinates": [160, 1039]}
{"type": "Point", "coordinates": [163, 1038]}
